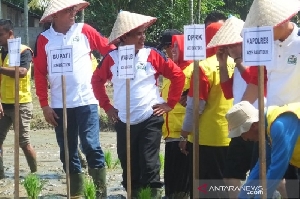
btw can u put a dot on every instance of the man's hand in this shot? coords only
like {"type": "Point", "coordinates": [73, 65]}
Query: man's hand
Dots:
{"type": "Point", "coordinates": [160, 109]}
{"type": "Point", "coordinates": [113, 115]}
{"type": "Point", "coordinates": [235, 51]}
{"type": "Point", "coordinates": [222, 56]}
{"type": "Point", "coordinates": [182, 146]}
{"type": "Point", "coordinates": [50, 115]}
{"type": "Point", "coordinates": [182, 100]}
{"type": "Point", "coordinates": [1, 111]}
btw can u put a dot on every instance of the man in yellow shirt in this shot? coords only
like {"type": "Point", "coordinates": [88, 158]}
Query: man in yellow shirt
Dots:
{"type": "Point", "coordinates": [7, 111]}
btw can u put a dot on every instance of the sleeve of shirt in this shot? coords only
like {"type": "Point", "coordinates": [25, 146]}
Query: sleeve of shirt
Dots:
{"type": "Point", "coordinates": [188, 116]}
{"type": "Point", "coordinates": [253, 178]}
{"type": "Point", "coordinates": [253, 79]}
{"type": "Point", "coordinates": [204, 85]}
{"type": "Point", "coordinates": [227, 88]}
{"type": "Point", "coordinates": [171, 71]}
{"type": "Point", "coordinates": [97, 41]}
{"type": "Point", "coordinates": [99, 78]}
{"type": "Point", "coordinates": [26, 59]}
{"type": "Point", "coordinates": [40, 70]}
{"type": "Point", "coordinates": [283, 129]}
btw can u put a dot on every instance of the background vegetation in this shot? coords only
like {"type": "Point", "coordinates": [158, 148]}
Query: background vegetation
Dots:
{"type": "Point", "coordinates": [170, 13]}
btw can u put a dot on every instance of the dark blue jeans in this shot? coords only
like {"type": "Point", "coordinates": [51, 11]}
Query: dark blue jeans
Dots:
{"type": "Point", "coordinates": [82, 121]}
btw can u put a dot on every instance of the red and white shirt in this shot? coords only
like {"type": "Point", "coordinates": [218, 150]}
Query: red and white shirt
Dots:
{"type": "Point", "coordinates": [144, 92]}
{"type": "Point", "coordinates": [83, 39]}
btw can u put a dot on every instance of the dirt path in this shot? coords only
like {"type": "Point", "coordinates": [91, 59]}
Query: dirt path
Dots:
{"type": "Point", "coordinates": [50, 167]}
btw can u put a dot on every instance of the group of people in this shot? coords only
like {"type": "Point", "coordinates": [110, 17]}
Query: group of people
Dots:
{"type": "Point", "coordinates": [228, 92]}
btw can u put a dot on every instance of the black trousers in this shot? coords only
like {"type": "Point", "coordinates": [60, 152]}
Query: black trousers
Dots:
{"type": "Point", "coordinates": [176, 170]}
{"type": "Point", "coordinates": [292, 182]}
{"type": "Point", "coordinates": [145, 140]}
{"type": "Point", "coordinates": [211, 167]}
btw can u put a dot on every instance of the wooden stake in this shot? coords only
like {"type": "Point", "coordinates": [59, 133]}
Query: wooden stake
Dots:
{"type": "Point", "coordinates": [17, 132]}
{"type": "Point", "coordinates": [65, 123]}
{"type": "Point", "coordinates": [128, 138]}
{"type": "Point", "coordinates": [262, 140]}
{"type": "Point", "coordinates": [196, 129]}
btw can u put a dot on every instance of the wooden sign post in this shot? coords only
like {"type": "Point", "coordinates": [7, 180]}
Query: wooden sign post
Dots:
{"type": "Point", "coordinates": [61, 63]}
{"type": "Point", "coordinates": [258, 50]}
{"type": "Point", "coordinates": [126, 71]}
{"type": "Point", "coordinates": [195, 49]}
{"type": "Point", "coordinates": [14, 53]}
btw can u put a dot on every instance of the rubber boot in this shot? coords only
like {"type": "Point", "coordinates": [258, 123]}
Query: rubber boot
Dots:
{"type": "Point", "coordinates": [76, 185]}
{"type": "Point", "coordinates": [30, 157]}
{"type": "Point", "coordinates": [2, 175]}
{"type": "Point", "coordinates": [156, 193]}
{"type": "Point", "coordinates": [99, 178]}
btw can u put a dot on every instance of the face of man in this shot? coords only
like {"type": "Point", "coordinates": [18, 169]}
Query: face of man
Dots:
{"type": "Point", "coordinates": [175, 52]}
{"type": "Point", "coordinates": [136, 37]}
{"type": "Point", "coordinates": [282, 31]}
{"type": "Point", "coordinates": [252, 134]}
{"type": "Point", "coordinates": [4, 35]}
{"type": "Point", "coordinates": [168, 50]}
{"type": "Point", "coordinates": [66, 16]}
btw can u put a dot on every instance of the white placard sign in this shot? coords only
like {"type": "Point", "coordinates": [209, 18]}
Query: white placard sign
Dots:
{"type": "Point", "coordinates": [126, 61]}
{"type": "Point", "coordinates": [258, 46]}
{"type": "Point", "coordinates": [14, 51]}
{"type": "Point", "coordinates": [194, 42]}
{"type": "Point", "coordinates": [61, 60]}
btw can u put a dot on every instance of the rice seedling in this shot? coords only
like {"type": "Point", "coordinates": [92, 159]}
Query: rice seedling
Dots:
{"type": "Point", "coordinates": [108, 159]}
{"type": "Point", "coordinates": [33, 185]}
{"type": "Point", "coordinates": [89, 190]}
{"type": "Point", "coordinates": [145, 193]}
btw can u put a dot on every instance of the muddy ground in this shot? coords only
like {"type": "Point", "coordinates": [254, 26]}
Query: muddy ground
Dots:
{"type": "Point", "coordinates": [50, 167]}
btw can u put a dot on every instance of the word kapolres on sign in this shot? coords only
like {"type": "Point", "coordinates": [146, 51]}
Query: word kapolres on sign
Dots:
{"type": "Point", "coordinates": [126, 62]}
{"type": "Point", "coordinates": [14, 50]}
{"type": "Point", "coordinates": [194, 42]}
{"type": "Point", "coordinates": [258, 46]}
{"type": "Point", "coordinates": [61, 60]}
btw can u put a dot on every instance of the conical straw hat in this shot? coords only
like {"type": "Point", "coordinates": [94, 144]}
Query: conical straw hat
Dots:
{"type": "Point", "coordinates": [229, 33]}
{"type": "Point", "coordinates": [55, 6]}
{"type": "Point", "coordinates": [127, 21]}
{"type": "Point", "coordinates": [271, 12]}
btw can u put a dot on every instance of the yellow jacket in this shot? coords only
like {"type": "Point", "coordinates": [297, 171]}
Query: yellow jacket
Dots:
{"type": "Point", "coordinates": [213, 127]}
{"type": "Point", "coordinates": [8, 84]}
{"type": "Point", "coordinates": [173, 120]}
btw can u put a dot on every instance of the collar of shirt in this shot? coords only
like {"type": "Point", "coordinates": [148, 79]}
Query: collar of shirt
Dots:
{"type": "Point", "coordinates": [290, 38]}
{"type": "Point", "coordinates": [58, 33]}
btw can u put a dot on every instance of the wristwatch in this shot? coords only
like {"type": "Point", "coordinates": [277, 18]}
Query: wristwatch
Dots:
{"type": "Point", "coordinates": [183, 139]}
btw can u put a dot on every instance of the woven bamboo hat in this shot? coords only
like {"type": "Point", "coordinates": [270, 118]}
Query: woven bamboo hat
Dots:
{"type": "Point", "coordinates": [55, 6]}
{"type": "Point", "coordinates": [229, 33]}
{"type": "Point", "coordinates": [271, 12]}
{"type": "Point", "coordinates": [127, 21]}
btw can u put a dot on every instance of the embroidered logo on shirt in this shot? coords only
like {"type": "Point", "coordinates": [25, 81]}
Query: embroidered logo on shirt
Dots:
{"type": "Point", "coordinates": [292, 60]}
{"type": "Point", "coordinates": [141, 66]}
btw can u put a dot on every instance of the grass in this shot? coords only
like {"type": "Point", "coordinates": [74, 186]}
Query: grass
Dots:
{"type": "Point", "coordinates": [38, 121]}
{"type": "Point", "coordinates": [162, 161]}
{"type": "Point", "coordinates": [110, 163]}
{"type": "Point", "coordinates": [33, 185]}
{"type": "Point", "coordinates": [145, 193]}
{"type": "Point", "coordinates": [89, 191]}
